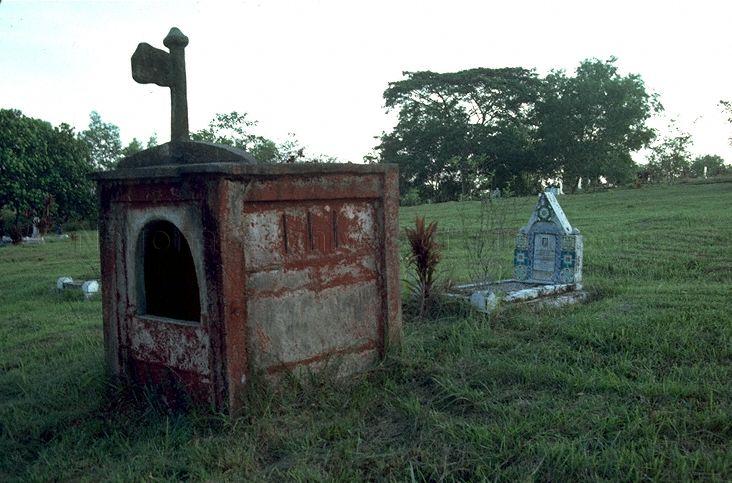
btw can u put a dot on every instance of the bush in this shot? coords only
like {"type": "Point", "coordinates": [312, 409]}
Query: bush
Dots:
{"type": "Point", "coordinates": [424, 257]}
{"type": "Point", "coordinates": [486, 238]}
{"type": "Point", "coordinates": [411, 198]}
{"type": "Point", "coordinates": [16, 234]}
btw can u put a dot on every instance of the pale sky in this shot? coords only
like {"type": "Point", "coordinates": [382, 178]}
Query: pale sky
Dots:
{"type": "Point", "coordinates": [319, 68]}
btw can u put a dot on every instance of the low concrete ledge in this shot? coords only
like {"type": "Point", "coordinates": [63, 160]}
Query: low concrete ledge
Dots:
{"type": "Point", "coordinates": [486, 296]}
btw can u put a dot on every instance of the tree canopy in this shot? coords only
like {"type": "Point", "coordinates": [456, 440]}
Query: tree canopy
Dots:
{"type": "Point", "coordinates": [104, 142]}
{"type": "Point", "coordinates": [590, 123]}
{"type": "Point", "coordinates": [38, 163]}
{"type": "Point", "coordinates": [463, 132]}
{"type": "Point", "coordinates": [459, 131]}
{"type": "Point", "coordinates": [670, 157]}
{"type": "Point", "coordinates": [237, 130]}
{"type": "Point", "coordinates": [707, 165]}
{"type": "Point", "coordinates": [105, 145]}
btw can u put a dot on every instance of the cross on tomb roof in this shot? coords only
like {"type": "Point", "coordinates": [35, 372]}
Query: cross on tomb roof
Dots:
{"type": "Point", "coordinates": [167, 69]}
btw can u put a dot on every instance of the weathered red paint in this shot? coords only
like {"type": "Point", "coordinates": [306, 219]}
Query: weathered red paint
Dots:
{"type": "Point", "coordinates": [297, 266]}
{"type": "Point", "coordinates": [321, 357]}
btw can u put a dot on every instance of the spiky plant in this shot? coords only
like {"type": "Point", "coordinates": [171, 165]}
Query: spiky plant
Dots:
{"type": "Point", "coordinates": [424, 257]}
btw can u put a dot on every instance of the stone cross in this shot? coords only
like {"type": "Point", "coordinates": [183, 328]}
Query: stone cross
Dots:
{"type": "Point", "coordinates": [156, 66]}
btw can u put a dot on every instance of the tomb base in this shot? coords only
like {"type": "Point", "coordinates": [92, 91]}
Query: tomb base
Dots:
{"type": "Point", "coordinates": [486, 296]}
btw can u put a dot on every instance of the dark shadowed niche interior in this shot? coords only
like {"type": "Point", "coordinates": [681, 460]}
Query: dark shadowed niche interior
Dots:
{"type": "Point", "coordinates": [170, 284]}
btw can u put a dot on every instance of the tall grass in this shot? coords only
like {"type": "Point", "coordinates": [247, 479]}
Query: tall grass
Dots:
{"type": "Point", "coordinates": [633, 385]}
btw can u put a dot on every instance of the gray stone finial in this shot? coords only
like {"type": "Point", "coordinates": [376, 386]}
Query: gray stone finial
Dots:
{"type": "Point", "coordinates": [167, 69]}
{"type": "Point", "coordinates": [175, 38]}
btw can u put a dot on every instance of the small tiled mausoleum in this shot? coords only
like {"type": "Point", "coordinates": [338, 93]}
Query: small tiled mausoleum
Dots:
{"type": "Point", "coordinates": [548, 249]}
{"type": "Point", "coordinates": [217, 269]}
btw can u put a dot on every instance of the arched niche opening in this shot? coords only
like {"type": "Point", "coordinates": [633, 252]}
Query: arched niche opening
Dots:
{"type": "Point", "coordinates": [169, 283]}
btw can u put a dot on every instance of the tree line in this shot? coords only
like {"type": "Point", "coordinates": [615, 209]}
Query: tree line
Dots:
{"type": "Point", "coordinates": [461, 134]}
{"type": "Point", "coordinates": [45, 170]}
{"type": "Point", "coordinates": [458, 135]}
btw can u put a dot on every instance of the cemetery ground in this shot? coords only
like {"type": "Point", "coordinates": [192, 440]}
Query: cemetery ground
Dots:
{"type": "Point", "coordinates": [634, 384]}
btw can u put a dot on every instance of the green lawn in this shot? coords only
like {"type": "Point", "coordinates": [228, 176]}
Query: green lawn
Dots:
{"type": "Point", "coordinates": [635, 384]}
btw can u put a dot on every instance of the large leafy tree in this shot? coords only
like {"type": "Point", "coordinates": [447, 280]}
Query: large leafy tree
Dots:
{"type": "Point", "coordinates": [39, 163]}
{"type": "Point", "coordinates": [709, 165]}
{"type": "Point", "coordinates": [591, 122]}
{"type": "Point", "coordinates": [135, 146]}
{"type": "Point", "coordinates": [236, 130]}
{"type": "Point", "coordinates": [670, 157]}
{"type": "Point", "coordinates": [462, 132]}
{"type": "Point", "coordinates": [104, 142]}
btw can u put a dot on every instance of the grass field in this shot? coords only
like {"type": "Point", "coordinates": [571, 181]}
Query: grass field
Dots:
{"type": "Point", "coordinates": [636, 384]}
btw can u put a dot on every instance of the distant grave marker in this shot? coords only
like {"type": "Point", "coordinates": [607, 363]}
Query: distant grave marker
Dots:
{"type": "Point", "coordinates": [547, 264]}
{"type": "Point", "coordinates": [35, 237]}
{"type": "Point", "coordinates": [548, 248]}
{"type": "Point", "coordinates": [88, 288]}
{"type": "Point", "coordinates": [36, 232]}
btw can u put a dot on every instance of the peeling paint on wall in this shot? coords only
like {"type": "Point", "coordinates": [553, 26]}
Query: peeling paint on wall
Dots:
{"type": "Point", "coordinates": [297, 267]}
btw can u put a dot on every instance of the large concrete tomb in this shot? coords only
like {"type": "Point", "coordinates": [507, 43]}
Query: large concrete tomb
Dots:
{"type": "Point", "coordinates": [217, 269]}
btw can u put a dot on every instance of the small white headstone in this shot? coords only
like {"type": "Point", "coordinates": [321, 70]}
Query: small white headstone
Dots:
{"type": "Point", "coordinates": [62, 281]}
{"type": "Point", "coordinates": [484, 301]}
{"type": "Point", "coordinates": [90, 287]}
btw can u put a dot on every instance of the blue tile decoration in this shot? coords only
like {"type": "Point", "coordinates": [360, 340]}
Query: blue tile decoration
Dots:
{"type": "Point", "coordinates": [548, 248]}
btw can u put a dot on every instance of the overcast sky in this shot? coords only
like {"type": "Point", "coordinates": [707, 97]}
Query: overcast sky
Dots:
{"type": "Point", "coordinates": [319, 68]}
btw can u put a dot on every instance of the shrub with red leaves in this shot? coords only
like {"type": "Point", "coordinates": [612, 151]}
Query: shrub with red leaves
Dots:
{"type": "Point", "coordinates": [425, 255]}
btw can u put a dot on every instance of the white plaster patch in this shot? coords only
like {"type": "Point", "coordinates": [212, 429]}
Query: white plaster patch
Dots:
{"type": "Point", "coordinates": [363, 219]}
{"type": "Point", "coordinates": [360, 268]}
{"type": "Point", "coordinates": [304, 324]}
{"type": "Point", "coordinates": [279, 279]}
{"type": "Point", "coordinates": [263, 238]}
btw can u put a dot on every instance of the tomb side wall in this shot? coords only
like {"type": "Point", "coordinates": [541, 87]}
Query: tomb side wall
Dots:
{"type": "Point", "coordinates": [300, 269]}
{"type": "Point", "coordinates": [321, 279]}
